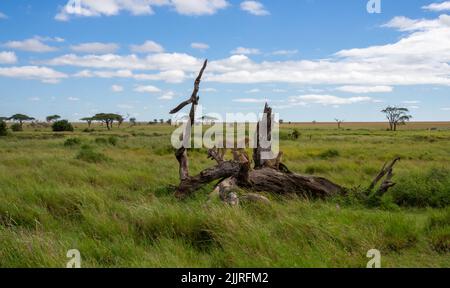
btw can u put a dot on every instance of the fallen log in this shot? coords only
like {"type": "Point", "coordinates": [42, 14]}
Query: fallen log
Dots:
{"type": "Point", "coordinates": [267, 176]}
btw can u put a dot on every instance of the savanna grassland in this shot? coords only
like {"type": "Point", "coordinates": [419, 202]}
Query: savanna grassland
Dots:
{"type": "Point", "coordinates": [109, 194]}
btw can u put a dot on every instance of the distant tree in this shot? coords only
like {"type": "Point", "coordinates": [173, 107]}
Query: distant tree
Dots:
{"type": "Point", "coordinates": [396, 116]}
{"type": "Point", "coordinates": [281, 121]}
{"type": "Point", "coordinates": [133, 121]}
{"type": "Point", "coordinates": [21, 118]}
{"type": "Point", "coordinates": [169, 121]}
{"type": "Point", "coordinates": [119, 119]}
{"type": "Point", "coordinates": [339, 122]}
{"type": "Point", "coordinates": [161, 121]}
{"type": "Point", "coordinates": [88, 120]}
{"type": "Point", "coordinates": [155, 121]}
{"type": "Point", "coordinates": [16, 127]}
{"type": "Point", "coordinates": [108, 119]}
{"type": "Point", "coordinates": [62, 126]}
{"type": "Point", "coordinates": [52, 118]}
{"type": "Point", "coordinates": [3, 128]}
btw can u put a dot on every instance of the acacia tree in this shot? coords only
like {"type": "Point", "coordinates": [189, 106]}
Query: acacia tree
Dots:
{"type": "Point", "coordinates": [52, 118]}
{"type": "Point", "coordinates": [108, 119]}
{"type": "Point", "coordinates": [88, 120]}
{"type": "Point", "coordinates": [396, 116]}
{"type": "Point", "coordinates": [21, 118]}
{"type": "Point", "coordinates": [339, 122]}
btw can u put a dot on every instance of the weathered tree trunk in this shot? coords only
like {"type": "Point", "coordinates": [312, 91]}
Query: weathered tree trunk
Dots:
{"type": "Point", "coordinates": [267, 175]}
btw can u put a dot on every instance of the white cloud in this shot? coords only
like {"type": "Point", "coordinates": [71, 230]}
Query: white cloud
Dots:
{"type": "Point", "coordinates": [209, 90]}
{"type": "Point", "coordinates": [254, 90]}
{"type": "Point", "coordinates": [117, 88]}
{"type": "Point", "coordinates": [250, 100]}
{"type": "Point", "coordinates": [245, 51]}
{"type": "Point", "coordinates": [35, 44]}
{"type": "Point", "coordinates": [34, 99]}
{"type": "Point", "coordinates": [8, 58]}
{"type": "Point", "coordinates": [147, 89]}
{"type": "Point", "coordinates": [44, 74]}
{"type": "Point", "coordinates": [436, 7]}
{"type": "Point", "coordinates": [285, 52]}
{"type": "Point", "coordinates": [327, 100]}
{"type": "Point", "coordinates": [160, 61]}
{"type": "Point", "coordinates": [95, 48]}
{"type": "Point", "coordinates": [411, 102]}
{"type": "Point", "coordinates": [199, 46]}
{"type": "Point", "coordinates": [73, 99]}
{"type": "Point", "coordinates": [167, 96]}
{"type": "Point", "coordinates": [147, 47]}
{"type": "Point", "coordinates": [95, 8]}
{"type": "Point", "coordinates": [254, 8]}
{"type": "Point", "coordinates": [172, 76]}
{"type": "Point", "coordinates": [414, 107]}
{"type": "Point", "coordinates": [198, 7]}
{"type": "Point", "coordinates": [365, 89]}
{"type": "Point", "coordinates": [419, 57]}
{"type": "Point", "coordinates": [3, 16]}
{"type": "Point", "coordinates": [446, 109]}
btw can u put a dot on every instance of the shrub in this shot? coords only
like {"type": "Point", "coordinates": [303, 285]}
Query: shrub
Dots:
{"type": "Point", "coordinates": [16, 127]}
{"type": "Point", "coordinates": [72, 142]}
{"type": "Point", "coordinates": [88, 130]}
{"type": "Point", "coordinates": [330, 153]}
{"type": "Point", "coordinates": [295, 134]}
{"type": "Point", "coordinates": [62, 126]}
{"type": "Point", "coordinates": [89, 155]}
{"type": "Point", "coordinates": [423, 188]}
{"type": "Point", "coordinates": [112, 140]}
{"type": "Point", "coordinates": [3, 128]}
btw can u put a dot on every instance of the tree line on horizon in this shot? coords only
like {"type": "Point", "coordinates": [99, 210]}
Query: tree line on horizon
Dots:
{"type": "Point", "coordinates": [396, 116]}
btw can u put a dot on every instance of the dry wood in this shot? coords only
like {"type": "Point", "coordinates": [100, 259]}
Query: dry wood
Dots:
{"type": "Point", "coordinates": [267, 175]}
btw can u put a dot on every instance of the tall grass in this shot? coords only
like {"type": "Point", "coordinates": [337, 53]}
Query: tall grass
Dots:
{"type": "Point", "coordinates": [58, 194]}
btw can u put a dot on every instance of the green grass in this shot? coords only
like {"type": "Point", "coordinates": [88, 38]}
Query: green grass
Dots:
{"type": "Point", "coordinates": [109, 194]}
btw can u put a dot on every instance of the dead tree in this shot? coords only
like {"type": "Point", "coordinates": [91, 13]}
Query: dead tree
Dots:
{"type": "Point", "coordinates": [266, 175]}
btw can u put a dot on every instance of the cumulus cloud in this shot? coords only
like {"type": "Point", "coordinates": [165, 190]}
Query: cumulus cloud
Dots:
{"type": "Point", "coordinates": [44, 74]}
{"type": "Point", "coordinates": [365, 89]}
{"type": "Point", "coordinates": [250, 100]}
{"type": "Point", "coordinates": [160, 61]}
{"type": "Point", "coordinates": [73, 99]}
{"type": "Point", "coordinates": [327, 100]}
{"type": "Point", "coordinates": [199, 46]}
{"type": "Point", "coordinates": [147, 89]}
{"type": "Point", "coordinates": [254, 8]}
{"type": "Point", "coordinates": [437, 7]}
{"type": "Point", "coordinates": [245, 51]}
{"type": "Point", "coordinates": [167, 96]}
{"type": "Point", "coordinates": [117, 88]}
{"type": "Point", "coordinates": [95, 8]}
{"type": "Point", "coordinates": [285, 52]}
{"type": "Point", "coordinates": [35, 44]}
{"type": "Point", "coordinates": [8, 58]}
{"type": "Point", "coordinates": [419, 57]}
{"type": "Point", "coordinates": [95, 48]}
{"type": "Point", "coordinates": [147, 47]}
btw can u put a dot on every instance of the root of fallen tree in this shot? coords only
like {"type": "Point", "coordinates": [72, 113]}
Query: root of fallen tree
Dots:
{"type": "Point", "coordinates": [268, 176]}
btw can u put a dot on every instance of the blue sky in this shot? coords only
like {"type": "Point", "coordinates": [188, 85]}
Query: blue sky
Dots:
{"type": "Point", "coordinates": [311, 59]}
